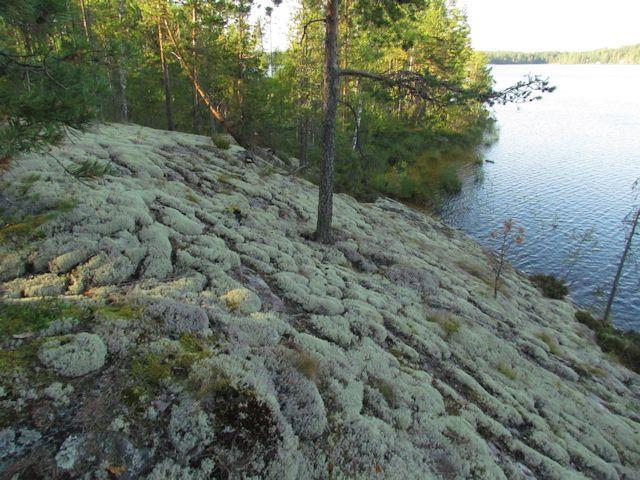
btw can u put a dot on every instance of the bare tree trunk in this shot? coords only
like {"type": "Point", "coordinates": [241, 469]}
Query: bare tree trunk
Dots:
{"type": "Point", "coordinates": [215, 113]}
{"type": "Point", "coordinates": [122, 71]}
{"type": "Point", "coordinates": [331, 92]}
{"type": "Point", "coordinates": [194, 61]}
{"type": "Point", "coordinates": [122, 74]}
{"type": "Point", "coordinates": [625, 253]}
{"type": "Point", "coordinates": [166, 80]}
{"type": "Point", "coordinates": [358, 121]}
{"type": "Point", "coordinates": [304, 141]}
{"type": "Point", "coordinates": [85, 22]}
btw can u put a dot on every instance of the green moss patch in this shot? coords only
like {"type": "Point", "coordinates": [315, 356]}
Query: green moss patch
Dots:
{"type": "Point", "coordinates": [31, 317]}
{"type": "Point", "coordinates": [151, 370]}
{"type": "Point", "coordinates": [22, 229]}
{"type": "Point", "coordinates": [119, 310]}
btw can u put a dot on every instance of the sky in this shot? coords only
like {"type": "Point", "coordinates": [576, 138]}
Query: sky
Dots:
{"type": "Point", "coordinates": [570, 25]}
{"type": "Point", "coordinates": [522, 25]}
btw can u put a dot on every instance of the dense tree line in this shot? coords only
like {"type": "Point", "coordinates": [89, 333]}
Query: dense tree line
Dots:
{"type": "Point", "coordinates": [379, 96]}
{"type": "Point", "coordinates": [623, 55]}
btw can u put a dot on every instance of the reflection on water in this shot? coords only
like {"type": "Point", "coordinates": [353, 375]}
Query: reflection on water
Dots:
{"type": "Point", "coordinates": [563, 168]}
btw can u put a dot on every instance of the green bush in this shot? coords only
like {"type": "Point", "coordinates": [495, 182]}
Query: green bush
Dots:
{"type": "Point", "coordinates": [551, 286]}
{"type": "Point", "coordinates": [221, 141]}
{"type": "Point", "coordinates": [624, 345]}
{"type": "Point", "coordinates": [587, 319]}
{"type": "Point", "coordinates": [450, 182]}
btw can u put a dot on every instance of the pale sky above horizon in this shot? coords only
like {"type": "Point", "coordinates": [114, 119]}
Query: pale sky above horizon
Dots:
{"type": "Point", "coordinates": [521, 25]}
{"type": "Point", "coordinates": [570, 25]}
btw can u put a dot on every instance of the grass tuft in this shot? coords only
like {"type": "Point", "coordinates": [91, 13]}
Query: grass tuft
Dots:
{"type": "Point", "coordinates": [550, 341]}
{"type": "Point", "coordinates": [507, 370]}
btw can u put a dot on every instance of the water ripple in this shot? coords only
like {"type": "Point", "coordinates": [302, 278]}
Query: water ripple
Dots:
{"type": "Point", "coordinates": [564, 167]}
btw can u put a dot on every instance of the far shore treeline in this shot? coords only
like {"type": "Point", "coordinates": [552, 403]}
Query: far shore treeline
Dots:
{"type": "Point", "coordinates": [624, 55]}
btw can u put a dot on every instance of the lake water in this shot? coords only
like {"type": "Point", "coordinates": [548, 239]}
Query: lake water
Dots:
{"type": "Point", "coordinates": [563, 168]}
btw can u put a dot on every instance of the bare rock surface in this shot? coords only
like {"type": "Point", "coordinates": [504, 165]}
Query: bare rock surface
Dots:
{"type": "Point", "coordinates": [225, 344]}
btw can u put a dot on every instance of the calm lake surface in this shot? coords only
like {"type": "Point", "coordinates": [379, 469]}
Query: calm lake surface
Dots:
{"type": "Point", "coordinates": [564, 168]}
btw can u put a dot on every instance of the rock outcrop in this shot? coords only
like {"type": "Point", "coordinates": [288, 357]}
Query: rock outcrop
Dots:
{"type": "Point", "coordinates": [172, 319]}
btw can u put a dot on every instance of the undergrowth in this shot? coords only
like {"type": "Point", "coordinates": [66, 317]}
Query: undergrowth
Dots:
{"type": "Point", "coordinates": [623, 345]}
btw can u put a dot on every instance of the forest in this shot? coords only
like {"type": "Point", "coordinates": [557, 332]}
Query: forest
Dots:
{"type": "Point", "coordinates": [385, 97]}
{"type": "Point", "coordinates": [629, 55]}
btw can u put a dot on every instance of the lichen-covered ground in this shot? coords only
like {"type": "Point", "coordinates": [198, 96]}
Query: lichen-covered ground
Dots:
{"type": "Point", "coordinates": [172, 319]}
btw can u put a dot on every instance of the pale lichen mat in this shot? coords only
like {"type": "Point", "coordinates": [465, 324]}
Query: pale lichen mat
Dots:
{"type": "Point", "coordinates": [203, 335]}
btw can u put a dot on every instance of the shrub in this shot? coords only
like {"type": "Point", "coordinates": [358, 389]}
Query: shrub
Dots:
{"type": "Point", "coordinates": [450, 182]}
{"type": "Point", "coordinates": [587, 319]}
{"type": "Point", "coordinates": [221, 141]}
{"type": "Point", "coordinates": [625, 346]}
{"type": "Point", "coordinates": [551, 286]}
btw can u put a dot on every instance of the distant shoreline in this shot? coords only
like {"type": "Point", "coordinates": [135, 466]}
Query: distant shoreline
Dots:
{"type": "Point", "coordinates": [628, 55]}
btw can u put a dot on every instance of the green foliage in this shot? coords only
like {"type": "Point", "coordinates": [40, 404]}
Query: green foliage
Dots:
{"type": "Point", "coordinates": [31, 317]}
{"type": "Point", "coordinates": [450, 181]}
{"type": "Point", "coordinates": [551, 286]}
{"type": "Point", "coordinates": [25, 228]}
{"type": "Point", "coordinates": [221, 141]}
{"type": "Point", "coordinates": [22, 357]}
{"type": "Point", "coordinates": [27, 183]}
{"type": "Point", "coordinates": [47, 83]}
{"type": "Point", "coordinates": [407, 146]}
{"type": "Point", "coordinates": [624, 345]}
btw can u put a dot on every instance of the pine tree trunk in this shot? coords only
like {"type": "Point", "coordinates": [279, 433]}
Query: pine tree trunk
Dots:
{"type": "Point", "coordinates": [304, 141]}
{"type": "Point", "coordinates": [166, 80]}
{"type": "Point", "coordinates": [331, 91]}
{"type": "Point", "coordinates": [623, 259]}
{"type": "Point", "coordinates": [122, 71]}
{"type": "Point", "coordinates": [85, 21]}
{"type": "Point", "coordinates": [194, 61]}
